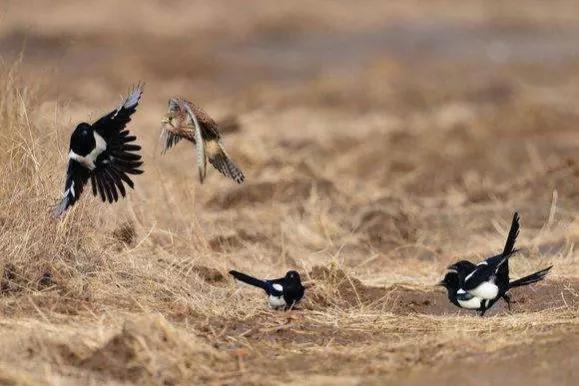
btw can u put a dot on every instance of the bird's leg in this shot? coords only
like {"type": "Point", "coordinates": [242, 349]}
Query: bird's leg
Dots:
{"type": "Point", "coordinates": [483, 310]}
{"type": "Point", "coordinates": [507, 298]}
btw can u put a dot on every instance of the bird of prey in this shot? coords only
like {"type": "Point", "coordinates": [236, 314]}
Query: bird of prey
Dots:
{"type": "Point", "coordinates": [282, 293]}
{"type": "Point", "coordinates": [187, 120]}
{"type": "Point", "coordinates": [103, 152]}
{"type": "Point", "coordinates": [478, 287]}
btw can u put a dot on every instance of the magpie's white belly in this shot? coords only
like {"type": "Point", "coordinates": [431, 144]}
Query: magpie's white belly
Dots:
{"type": "Point", "coordinates": [471, 304]}
{"type": "Point", "coordinates": [89, 160]}
{"type": "Point", "coordinates": [276, 301]}
{"type": "Point", "coordinates": [485, 290]}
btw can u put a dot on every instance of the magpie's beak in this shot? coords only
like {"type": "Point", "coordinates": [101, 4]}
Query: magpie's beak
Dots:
{"type": "Point", "coordinates": [440, 284]}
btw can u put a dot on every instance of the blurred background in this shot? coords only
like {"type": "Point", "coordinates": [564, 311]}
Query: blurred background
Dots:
{"type": "Point", "coordinates": [381, 139]}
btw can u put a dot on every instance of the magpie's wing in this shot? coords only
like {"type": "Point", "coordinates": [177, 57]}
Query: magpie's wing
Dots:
{"type": "Point", "coordinates": [120, 157]}
{"type": "Point", "coordinates": [116, 120]}
{"type": "Point", "coordinates": [76, 178]}
{"type": "Point", "coordinates": [276, 284]}
{"type": "Point", "coordinates": [199, 143]}
{"type": "Point", "coordinates": [512, 237]}
{"type": "Point", "coordinates": [481, 274]}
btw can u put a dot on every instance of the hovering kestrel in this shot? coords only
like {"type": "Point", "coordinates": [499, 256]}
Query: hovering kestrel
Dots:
{"type": "Point", "coordinates": [186, 120]}
{"type": "Point", "coordinates": [103, 152]}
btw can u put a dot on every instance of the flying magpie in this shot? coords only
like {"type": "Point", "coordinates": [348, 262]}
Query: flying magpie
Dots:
{"type": "Point", "coordinates": [479, 286]}
{"type": "Point", "coordinates": [103, 152]}
{"type": "Point", "coordinates": [283, 293]}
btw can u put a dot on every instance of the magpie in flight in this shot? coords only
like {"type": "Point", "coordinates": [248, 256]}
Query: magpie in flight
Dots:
{"type": "Point", "coordinates": [103, 152]}
{"type": "Point", "coordinates": [283, 293]}
{"type": "Point", "coordinates": [478, 287]}
{"type": "Point", "coordinates": [187, 120]}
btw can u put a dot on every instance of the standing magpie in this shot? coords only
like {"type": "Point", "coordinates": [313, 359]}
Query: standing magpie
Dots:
{"type": "Point", "coordinates": [283, 293]}
{"type": "Point", "coordinates": [452, 283]}
{"type": "Point", "coordinates": [104, 153]}
{"type": "Point", "coordinates": [479, 286]}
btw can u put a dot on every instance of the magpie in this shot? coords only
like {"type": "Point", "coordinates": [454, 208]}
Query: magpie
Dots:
{"type": "Point", "coordinates": [452, 283]}
{"type": "Point", "coordinates": [283, 293]}
{"type": "Point", "coordinates": [479, 286]}
{"type": "Point", "coordinates": [105, 153]}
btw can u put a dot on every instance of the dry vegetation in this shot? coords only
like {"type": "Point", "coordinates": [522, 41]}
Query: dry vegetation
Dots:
{"type": "Point", "coordinates": [370, 166]}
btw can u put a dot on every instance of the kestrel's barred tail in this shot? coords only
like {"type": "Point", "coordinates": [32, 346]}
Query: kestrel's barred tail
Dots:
{"type": "Point", "coordinates": [221, 161]}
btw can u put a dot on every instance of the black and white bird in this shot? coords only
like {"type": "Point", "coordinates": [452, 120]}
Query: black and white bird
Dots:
{"type": "Point", "coordinates": [282, 293]}
{"type": "Point", "coordinates": [105, 153]}
{"type": "Point", "coordinates": [479, 287]}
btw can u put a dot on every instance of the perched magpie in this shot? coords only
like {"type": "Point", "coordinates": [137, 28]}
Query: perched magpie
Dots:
{"type": "Point", "coordinates": [479, 286]}
{"type": "Point", "coordinates": [104, 153]}
{"type": "Point", "coordinates": [283, 293]}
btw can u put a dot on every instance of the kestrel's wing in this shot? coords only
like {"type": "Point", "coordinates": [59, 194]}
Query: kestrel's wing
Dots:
{"type": "Point", "coordinates": [199, 143]}
{"type": "Point", "coordinates": [169, 139]}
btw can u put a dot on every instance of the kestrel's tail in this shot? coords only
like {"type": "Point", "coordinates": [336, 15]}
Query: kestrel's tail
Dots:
{"type": "Point", "coordinates": [221, 161]}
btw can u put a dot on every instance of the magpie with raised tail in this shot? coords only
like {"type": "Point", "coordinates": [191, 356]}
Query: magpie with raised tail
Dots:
{"type": "Point", "coordinates": [282, 293]}
{"type": "Point", "coordinates": [478, 287]}
{"type": "Point", "coordinates": [105, 153]}
{"type": "Point", "coordinates": [452, 283]}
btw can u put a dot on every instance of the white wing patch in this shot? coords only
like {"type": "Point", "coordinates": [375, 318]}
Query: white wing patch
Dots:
{"type": "Point", "coordinates": [278, 287]}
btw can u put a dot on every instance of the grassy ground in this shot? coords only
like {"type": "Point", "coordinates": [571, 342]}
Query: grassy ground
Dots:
{"type": "Point", "coordinates": [380, 143]}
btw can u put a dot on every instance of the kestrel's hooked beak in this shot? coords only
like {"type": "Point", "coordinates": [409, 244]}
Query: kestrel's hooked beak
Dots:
{"type": "Point", "coordinates": [165, 120]}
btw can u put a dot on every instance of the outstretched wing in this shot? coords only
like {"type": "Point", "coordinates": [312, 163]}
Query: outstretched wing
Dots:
{"type": "Point", "coordinates": [199, 143]}
{"type": "Point", "coordinates": [169, 139]}
{"type": "Point", "coordinates": [120, 157]}
{"type": "Point", "coordinates": [116, 120]}
{"type": "Point", "coordinates": [76, 178]}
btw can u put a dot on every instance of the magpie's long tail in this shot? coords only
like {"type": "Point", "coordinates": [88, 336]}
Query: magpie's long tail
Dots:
{"type": "Point", "coordinates": [249, 280]}
{"type": "Point", "coordinates": [512, 237]}
{"type": "Point", "coordinates": [532, 278]}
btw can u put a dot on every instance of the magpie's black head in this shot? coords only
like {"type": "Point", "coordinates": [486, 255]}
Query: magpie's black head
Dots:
{"type": "Point", "coordinates": [293, 276]}
{"type": "Point", "coordinates": [451, 282]}
{"type": "Point", "coordinates": [463, 267]}
{"type": "Point", "coordinates": [82, 140]}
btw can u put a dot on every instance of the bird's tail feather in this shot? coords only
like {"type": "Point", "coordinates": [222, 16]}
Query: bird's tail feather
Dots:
{"type": "Point", "coordinates": [221, 161]}
{"type": "Point", "coordinates": [248, 279]}
{"type": "Point", "coordinates": [512, 237]}
{"type": "Point", "coordinates": [530, 279]}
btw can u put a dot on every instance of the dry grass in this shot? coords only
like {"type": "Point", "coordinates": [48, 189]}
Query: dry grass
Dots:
{"type": "Point", "coordinates": [368, 182]}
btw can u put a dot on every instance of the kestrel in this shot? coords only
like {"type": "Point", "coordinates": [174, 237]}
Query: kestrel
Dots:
{"type": "Point", "coordinates": [186, 120]}
{"type": "Point", "coordinates": [103, 152]}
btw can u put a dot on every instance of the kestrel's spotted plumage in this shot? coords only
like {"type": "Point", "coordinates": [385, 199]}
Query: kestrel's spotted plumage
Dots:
{"type": "Point", "coordinates": [186, 120]}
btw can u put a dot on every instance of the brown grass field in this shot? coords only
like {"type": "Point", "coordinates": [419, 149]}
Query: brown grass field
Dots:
{"type": "Point", "coordinates": [381, 141]}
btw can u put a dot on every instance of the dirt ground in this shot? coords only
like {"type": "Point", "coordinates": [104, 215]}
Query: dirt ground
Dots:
{"type": "Point", "coordinates": [381, 141]}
